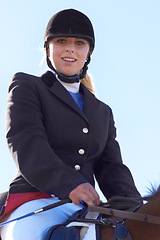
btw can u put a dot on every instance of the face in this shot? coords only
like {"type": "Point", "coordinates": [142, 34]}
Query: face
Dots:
{"type": "Point", "coordinates": [68, 54]}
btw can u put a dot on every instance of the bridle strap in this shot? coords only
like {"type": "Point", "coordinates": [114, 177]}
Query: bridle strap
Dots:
{"type": "Point", "coordinates": [126, 214]}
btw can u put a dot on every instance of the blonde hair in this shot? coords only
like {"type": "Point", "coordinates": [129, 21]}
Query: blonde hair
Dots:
{"type": "Point", "coordinates": [89, 84]}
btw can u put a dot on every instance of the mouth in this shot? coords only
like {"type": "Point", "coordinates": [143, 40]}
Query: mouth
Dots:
{"type": "Point", "coordinates": [67, 59]}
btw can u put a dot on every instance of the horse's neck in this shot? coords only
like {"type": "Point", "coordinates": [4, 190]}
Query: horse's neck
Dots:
{"type": "Point", "coordinates": [139, 230]}
{"type": "Point", "coordinates": [142, 230]}
{"type": "Point", "coordinates": [151, 208]}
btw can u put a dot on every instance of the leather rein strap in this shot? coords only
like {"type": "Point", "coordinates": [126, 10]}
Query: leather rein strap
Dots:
{"type": "Point", "coordinates": [126, 214]}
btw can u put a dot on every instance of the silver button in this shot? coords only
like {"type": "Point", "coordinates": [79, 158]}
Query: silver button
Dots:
{"type": "Point", "coordinates": [81, 151]}
{"type": "Point", "coordinates": [85, 130]}
{"type": "Point", "coordinates": [77, 167]}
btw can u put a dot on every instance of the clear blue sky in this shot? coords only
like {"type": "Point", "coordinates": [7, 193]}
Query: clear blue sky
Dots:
{"type": "Point", "coordinates": [125, 66]}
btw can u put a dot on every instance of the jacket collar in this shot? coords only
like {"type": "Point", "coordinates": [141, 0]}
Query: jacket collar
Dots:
{"type": "Point", "coordinates": [72, 87]}
{"type": "Point", "coordinates": [57, 89]}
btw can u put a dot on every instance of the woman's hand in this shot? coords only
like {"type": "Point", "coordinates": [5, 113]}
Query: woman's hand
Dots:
{"type": "Point", "coordinates": [86, 193]}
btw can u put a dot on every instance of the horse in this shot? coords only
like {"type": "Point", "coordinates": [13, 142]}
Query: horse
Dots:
{"type": "Point", "coordinates": [140, 230]}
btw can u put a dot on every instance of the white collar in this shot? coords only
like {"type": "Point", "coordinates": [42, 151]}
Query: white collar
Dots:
{"type": "Point", "coordinates": [71, 87]}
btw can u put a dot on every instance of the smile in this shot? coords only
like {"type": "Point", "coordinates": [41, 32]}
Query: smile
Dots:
{"type": "Point", "coordinates": [69, 59]}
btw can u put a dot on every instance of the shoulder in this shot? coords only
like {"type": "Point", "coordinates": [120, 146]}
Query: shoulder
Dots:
{"type": "Point", "coordinates": [23, 76]}
{"type": "Point", "coordinates": [104, 106]}
{"type": "Point", "coordinates": [97, 102]}
{"type": "Point", "coordinates": [47, 77]}
{"type": "Point", "coordinates": [24, 88]}
{"type": "Point", "coordinates": [23, 79]}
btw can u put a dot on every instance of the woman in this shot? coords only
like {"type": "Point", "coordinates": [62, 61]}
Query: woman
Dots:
{"type": "Point", "coordinates": [61, 136]}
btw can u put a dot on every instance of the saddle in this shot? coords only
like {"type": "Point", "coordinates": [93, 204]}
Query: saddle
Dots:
{"type": "Point", "coordinates": [72, 230]}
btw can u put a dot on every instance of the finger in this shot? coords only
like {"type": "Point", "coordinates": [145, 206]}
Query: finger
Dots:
{"type": "Point", "coordinates": [74, 198]}
{"type": "Point", "coordinates": [86, 193]}
{"type": "Point", "coordinates": [86, 198]}
{"type": "Point", "coordinates": [92, 193]}
{"type": "Point", "coordinates": [95, 198]}
{"type": "Point", "coordinates": [89, 198]}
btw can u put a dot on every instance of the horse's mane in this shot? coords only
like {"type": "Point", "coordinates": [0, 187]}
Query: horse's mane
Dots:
{"type": "Point", "coordinates": [153, 192]}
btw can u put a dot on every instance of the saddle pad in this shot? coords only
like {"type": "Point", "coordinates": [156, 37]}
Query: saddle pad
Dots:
{"type": "Point", "coordinates": [88, 230]}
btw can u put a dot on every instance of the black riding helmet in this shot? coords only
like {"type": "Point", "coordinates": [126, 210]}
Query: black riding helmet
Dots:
{"type": "Point", "coordinates": [70, 23]}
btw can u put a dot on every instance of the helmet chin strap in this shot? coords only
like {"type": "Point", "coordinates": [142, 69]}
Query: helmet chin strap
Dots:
{"type": "Point", "coordinates": [73, 78]}
{"type": "Point", "coordinates": [68, 79]}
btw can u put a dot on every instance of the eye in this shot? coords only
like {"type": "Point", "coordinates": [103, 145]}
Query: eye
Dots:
{"type": "Point", "coordinates": [61, 40]}
{"type": "Point", "coordinates": [80, 42]}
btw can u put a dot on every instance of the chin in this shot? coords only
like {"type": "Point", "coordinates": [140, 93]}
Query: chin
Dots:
{"type": "Point", "coordinates": [69, 74]}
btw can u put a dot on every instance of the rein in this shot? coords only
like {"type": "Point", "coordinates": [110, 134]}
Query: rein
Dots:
{"type": "Point", "coordinates": [126, 214]}
{"type": "Point", "coordinates": [108, 211]}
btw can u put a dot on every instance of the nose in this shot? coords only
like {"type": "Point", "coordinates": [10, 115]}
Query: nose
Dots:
{"type": "Point", "coordinates": [70, 47]}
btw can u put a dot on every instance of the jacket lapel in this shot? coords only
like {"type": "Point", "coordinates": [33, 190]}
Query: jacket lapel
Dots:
{"type": "Point", "coordinates": [90, 103]}
{"type": "Point", "coordinates": [59, 91]}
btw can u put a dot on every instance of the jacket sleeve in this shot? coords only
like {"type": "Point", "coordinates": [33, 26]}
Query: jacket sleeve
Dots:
{"type": "Point", "coordinates": [114, 178]}
{"type": "Point", "coordinates": [28, 143]}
